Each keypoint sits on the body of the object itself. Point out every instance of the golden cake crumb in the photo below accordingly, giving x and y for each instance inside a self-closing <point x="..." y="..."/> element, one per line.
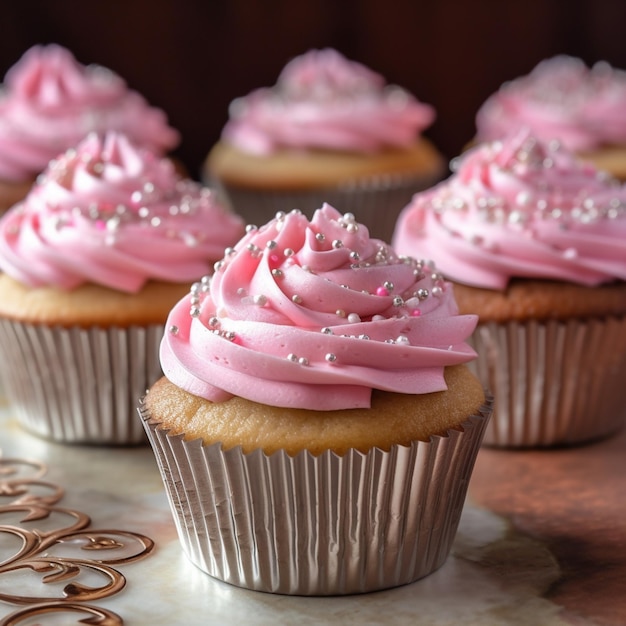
<point x="393" y="419"/>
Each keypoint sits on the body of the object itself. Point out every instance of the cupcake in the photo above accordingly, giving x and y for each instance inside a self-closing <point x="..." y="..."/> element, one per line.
<point x="93" y="259"/>
<point x="50" y="102"/>
<point x="330" y="130"/>
<point x="535" y="241"/>
<point x="316" y="426"/>
<point x="582" y="107"/>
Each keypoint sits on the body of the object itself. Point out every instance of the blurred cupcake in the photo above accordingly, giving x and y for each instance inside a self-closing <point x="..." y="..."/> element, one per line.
<point x="332" y="131"/>
<point x="563" y="99"/>
<point x="316" y="427"/>
<point x="105" y="243"/>
<point x="535" y="241"/>
<point x="50" y="102"/>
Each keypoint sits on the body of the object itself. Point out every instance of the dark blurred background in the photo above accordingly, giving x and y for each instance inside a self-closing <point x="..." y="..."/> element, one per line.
<point x="192" y="57"/>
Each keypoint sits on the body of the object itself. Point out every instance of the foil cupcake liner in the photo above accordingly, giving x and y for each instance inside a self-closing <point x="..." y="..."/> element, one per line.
<point x="375" y="202"/>
<point x="555" y="383"/>
<point x="79" y="385"/>
<point x="318" y="525"/>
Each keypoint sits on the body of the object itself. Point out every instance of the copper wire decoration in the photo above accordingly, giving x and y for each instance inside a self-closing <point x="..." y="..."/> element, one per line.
<point x="48" y="538"/>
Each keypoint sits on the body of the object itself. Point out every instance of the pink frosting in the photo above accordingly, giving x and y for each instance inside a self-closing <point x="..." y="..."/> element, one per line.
<point x="324" y="101"/>
<point x="520" y="208"/>
<point x="113" y="214"/>
<point x="315" y="315"/>
<point x="563" y="99"/>
<point x="50" y="102"/>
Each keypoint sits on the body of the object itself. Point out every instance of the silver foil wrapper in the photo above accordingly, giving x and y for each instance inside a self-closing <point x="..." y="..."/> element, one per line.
<point x="375" y="202"/>
<point x="79" y="385"/>
<point x="555" y="383"/>
<point x="318" y="525"/>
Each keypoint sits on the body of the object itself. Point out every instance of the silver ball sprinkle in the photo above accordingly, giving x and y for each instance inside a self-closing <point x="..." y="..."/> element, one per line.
<point x="331" y="358"/>
<point x="173" y="330"/>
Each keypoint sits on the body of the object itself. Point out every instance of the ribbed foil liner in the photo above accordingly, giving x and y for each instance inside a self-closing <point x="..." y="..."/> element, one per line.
<point x="555" y="383"/>
<point x="318" y="525"/>
<point x="76" y="385"/>
<point x="375" y="202"/>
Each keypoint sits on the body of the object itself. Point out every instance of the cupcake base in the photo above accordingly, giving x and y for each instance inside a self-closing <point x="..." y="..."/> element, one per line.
<point x="318" y="525"/>
<point x="375" y="203"/>
<point x="76" y="385"/>
<point x="555" y="383"/>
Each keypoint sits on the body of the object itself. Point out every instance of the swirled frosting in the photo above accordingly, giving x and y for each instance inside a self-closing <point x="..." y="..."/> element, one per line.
<point x="324" y="101"/>
<point x="50" y="102"/>
<point x="562" y="98"/>
<point x="315" y="315"/>
<point x="116" y="215"/>
<point x="520" y="208"/>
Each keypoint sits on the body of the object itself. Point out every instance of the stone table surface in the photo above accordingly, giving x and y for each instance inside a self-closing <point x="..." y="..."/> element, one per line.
<point x="542" y="541"/>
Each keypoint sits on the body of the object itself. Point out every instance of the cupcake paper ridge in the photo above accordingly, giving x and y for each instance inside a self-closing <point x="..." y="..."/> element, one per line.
<point x="112" y="214"/>
<point x="315" y="314"/>
<point x="50" y="102"/>
<point x="520" y="207"/>
<point x="324" y="101"/>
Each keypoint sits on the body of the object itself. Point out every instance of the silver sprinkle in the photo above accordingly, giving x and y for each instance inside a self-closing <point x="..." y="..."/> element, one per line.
<point x="173" y="330"/>
<point x="331" y="358"/>
<point x="296" y="299"/>
<point x="327" y="331"/>
<point x="303" y="360"/>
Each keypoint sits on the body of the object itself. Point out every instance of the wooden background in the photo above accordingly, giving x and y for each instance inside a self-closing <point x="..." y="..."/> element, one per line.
<point x="192" y="57"/>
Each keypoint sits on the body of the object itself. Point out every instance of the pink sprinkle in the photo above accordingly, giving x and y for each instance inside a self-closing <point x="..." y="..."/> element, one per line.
<point x="274" y="259"/>
<point x="382" y="291"/>
<point x="416" y="312"/>
<point x="100" y="225"/>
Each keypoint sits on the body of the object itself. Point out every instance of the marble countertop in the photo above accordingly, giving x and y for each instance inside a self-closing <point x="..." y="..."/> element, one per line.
<point x="542" y="540"/>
